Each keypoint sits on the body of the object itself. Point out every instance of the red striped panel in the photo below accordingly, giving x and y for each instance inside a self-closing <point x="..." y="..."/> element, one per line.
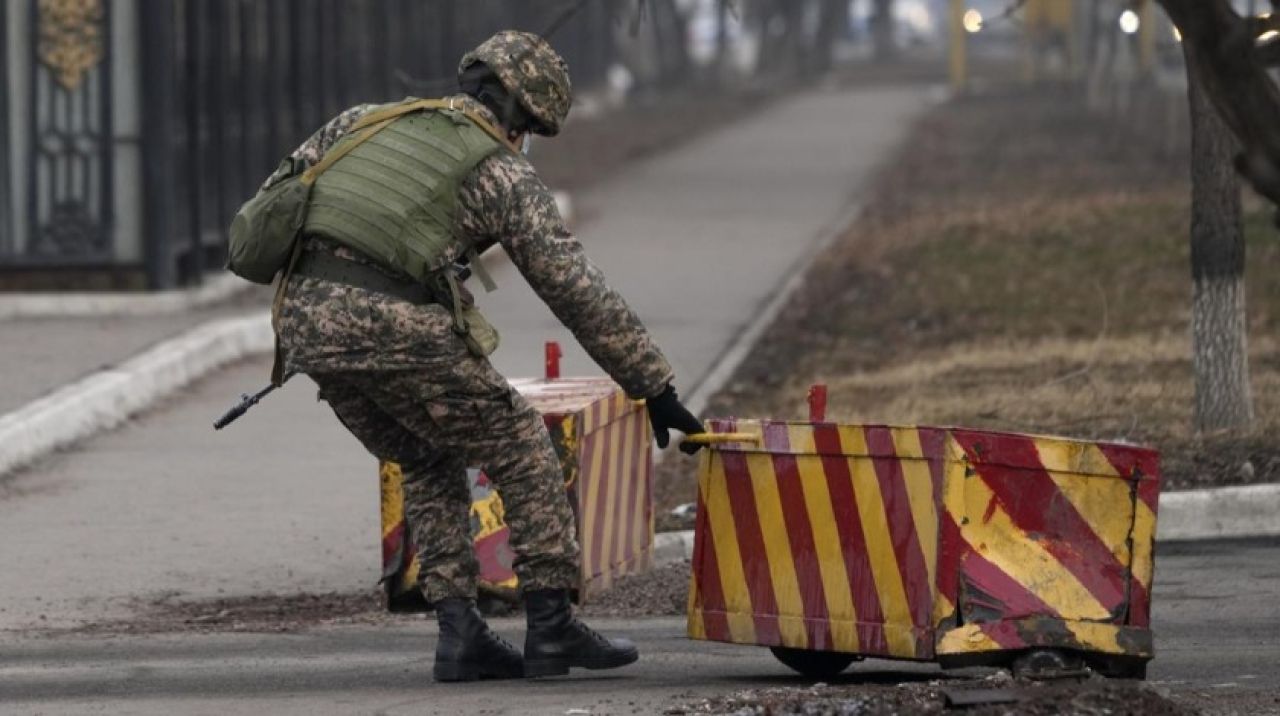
<point x="902" y="524"/>
<point x="1010" y="598"/>
<point x="755" y="561"/>
<point x="1133" y="462"/>
<point x="392" y="546"/>
<point x="1036" y="505"/>
<point x="1139" y="605"/>
<point x="853" y="543"/>
<point x="804" y="554"/>
<point x="933" y="445"/>
<point x="1149" y="493"/>
<point x="951" y="554"/>
<point x="707" y="571"/>
<point x="1004" y="634"/>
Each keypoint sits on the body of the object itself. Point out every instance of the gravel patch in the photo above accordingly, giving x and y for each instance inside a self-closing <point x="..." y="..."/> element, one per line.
<point x="993" y="696"/>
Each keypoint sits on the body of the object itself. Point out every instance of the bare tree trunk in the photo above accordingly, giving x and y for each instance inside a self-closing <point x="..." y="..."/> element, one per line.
<point x="1219" y="330"/>
<point x="882" y="29"/>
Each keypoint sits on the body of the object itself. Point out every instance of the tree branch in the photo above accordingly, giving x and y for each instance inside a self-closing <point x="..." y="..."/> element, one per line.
<point x="1227" y="65"/>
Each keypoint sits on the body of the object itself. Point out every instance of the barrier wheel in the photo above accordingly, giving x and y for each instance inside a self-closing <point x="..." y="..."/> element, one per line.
<point x="813" y="664"/>
<point x="1049" y="664"/>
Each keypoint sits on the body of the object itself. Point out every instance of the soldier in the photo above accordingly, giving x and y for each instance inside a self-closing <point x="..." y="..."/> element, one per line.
<point x="374" y="310"/>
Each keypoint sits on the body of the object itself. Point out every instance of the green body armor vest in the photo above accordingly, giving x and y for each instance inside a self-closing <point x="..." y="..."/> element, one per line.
<point x="393" y="196"/>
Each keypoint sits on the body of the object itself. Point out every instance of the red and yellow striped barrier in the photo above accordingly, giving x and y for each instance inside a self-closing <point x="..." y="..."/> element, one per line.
<point x="602" y="439"/>
<point x="922" y="543"/>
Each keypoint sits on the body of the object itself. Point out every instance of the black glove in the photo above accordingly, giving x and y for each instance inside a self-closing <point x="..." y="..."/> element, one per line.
<point x="666" y="412"/>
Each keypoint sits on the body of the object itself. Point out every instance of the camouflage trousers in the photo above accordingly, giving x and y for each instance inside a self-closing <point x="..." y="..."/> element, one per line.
<point x="435" y="431"/>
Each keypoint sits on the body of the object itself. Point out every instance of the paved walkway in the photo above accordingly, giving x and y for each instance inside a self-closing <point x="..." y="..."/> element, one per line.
<point x="284" y="500"/>
<point x="38" y="356"/>
<point x="699" y="239"/>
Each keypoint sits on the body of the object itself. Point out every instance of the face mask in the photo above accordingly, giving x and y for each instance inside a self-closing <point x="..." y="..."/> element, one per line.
<point x="526" y="143"/>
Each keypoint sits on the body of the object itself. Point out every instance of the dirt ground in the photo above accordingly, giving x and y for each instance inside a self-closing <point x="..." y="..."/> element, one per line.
<point x="660" y="592"/>
<point x="1021" y="265"/>
<point x="997" y="695"/>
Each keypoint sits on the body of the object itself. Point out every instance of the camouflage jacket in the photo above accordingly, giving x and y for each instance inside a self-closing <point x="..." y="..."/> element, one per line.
<point x="331" y="327"/>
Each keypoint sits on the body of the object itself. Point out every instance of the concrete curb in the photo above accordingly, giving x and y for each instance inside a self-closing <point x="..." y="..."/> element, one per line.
<point x="1220" y="513"/>
<point x="672" y="547"/>
<point x="107" y="398"/>
<point x="216" y="289"/>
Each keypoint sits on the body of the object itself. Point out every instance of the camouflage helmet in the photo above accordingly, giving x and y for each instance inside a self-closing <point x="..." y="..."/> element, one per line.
<point x="531" y="71"/>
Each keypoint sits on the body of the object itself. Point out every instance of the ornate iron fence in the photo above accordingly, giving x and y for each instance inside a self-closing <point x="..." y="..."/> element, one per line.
<point x="149" y="121"/>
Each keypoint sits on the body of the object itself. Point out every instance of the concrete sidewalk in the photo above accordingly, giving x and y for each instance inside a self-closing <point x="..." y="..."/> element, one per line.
<point x="40" y="355"/>
<point x="284" y="501"/>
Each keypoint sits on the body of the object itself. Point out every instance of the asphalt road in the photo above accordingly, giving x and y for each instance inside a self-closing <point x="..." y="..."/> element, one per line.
<point x="1217" y="623"/>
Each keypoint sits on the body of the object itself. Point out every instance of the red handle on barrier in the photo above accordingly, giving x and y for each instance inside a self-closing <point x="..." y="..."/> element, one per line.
<point x="817" y="403"/>
<point x="553" y="355"/>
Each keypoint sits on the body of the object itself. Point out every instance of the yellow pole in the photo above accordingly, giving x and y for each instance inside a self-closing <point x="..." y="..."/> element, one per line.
<point x="1147" y="36"/>
<point x="958" y="60"/>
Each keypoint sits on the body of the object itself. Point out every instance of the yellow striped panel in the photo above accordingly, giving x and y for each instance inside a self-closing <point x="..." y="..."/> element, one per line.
<point x="586" y="508"/>
<point x="724" y="534"/>
<point x="953" y="480"/>
<point x="1097" y="637"/>
<point x="1006" y="546"/>
<point x="488" y="511"/>
<point x="777" y="547"/>
<point x="392" y="493"/>
<point x="919" y="481"/>
<point x="875" y="529"/>
<point x="696" y="627"/>
<point x="1106" y="503"/>
<point x="966" y="639"/>
<point x="826" y="540"/>
<point x="410" y="579"/>
<point x="642" y="514"/>
<point x="1057" y="455"/>
<point x="622" y="485"/>
<point x="1144" y="529"/>
<point x="609" y="483"/>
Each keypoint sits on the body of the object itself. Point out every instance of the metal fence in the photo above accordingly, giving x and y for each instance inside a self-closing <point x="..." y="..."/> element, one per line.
<point x="149" y="121"/>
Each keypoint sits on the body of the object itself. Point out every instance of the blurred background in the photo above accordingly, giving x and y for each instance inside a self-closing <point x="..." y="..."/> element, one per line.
<point x="131" y="130"/>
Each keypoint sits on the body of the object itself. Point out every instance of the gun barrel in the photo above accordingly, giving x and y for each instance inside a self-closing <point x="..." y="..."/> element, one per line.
<point x="246" y="401"/>
<point x="231" y="415"/>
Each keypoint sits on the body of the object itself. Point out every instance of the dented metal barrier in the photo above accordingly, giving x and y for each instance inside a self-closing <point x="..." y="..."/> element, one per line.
<point x="960" y="546"/>
<point x="603" y="441"/>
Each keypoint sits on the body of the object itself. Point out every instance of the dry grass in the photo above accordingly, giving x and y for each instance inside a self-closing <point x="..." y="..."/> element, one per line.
<point x="1022" y="266"/>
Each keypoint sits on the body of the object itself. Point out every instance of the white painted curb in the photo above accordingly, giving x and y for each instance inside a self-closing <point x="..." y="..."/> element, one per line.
<point x="1224" y="512"/>
<point x="215" y="289"/>
<point x="1221" y="513"/>
<point x="107" y="398"/>
<point x="672" y="547"/>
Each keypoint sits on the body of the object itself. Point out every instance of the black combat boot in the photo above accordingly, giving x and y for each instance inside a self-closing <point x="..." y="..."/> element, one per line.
<point x="556" y="640"/>
<point x="468" y="649"/>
